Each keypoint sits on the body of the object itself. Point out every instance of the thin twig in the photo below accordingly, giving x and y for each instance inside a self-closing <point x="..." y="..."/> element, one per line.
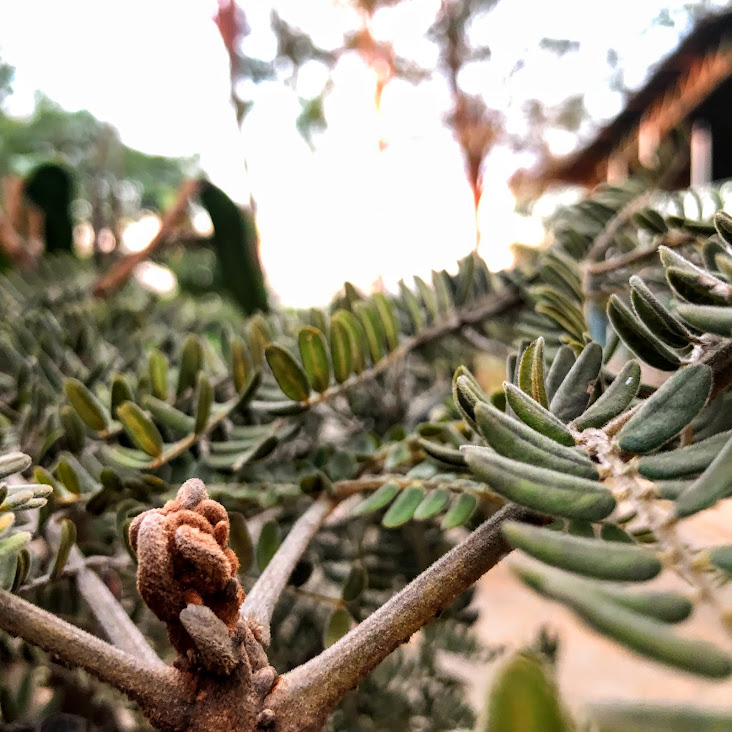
<point x="605" y="238"/>
<point x="312" y="690"/>
<point x="346" y="488"/>
<point x="111" y="616"/>
<point x="490" y="346"/>
<point x="98" y="561"/>
<point x="671" y="240"/>
<point x="260" y="603"/>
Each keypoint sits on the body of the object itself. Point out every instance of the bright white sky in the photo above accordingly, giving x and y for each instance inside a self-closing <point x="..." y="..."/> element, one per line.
<point x="157" y="70"/>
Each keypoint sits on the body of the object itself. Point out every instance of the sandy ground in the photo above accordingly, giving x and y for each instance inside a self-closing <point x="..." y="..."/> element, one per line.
<point x="590" y="667"/>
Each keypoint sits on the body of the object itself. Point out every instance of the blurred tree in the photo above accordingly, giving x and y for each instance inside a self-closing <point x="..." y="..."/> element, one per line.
<point x="113" y="179"/>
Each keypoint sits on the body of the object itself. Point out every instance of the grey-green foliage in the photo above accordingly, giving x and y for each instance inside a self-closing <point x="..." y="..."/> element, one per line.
<point x="632" y="432"/>
<point x="117" y="403"/>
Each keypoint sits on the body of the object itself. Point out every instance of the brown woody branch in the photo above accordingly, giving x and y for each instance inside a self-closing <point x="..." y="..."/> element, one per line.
<point x="306" y="695"/>
<point x="111" y="616"/>
<point x="158" y="690"/>
<point x="121" y="271"/>
<point x="260" y="603"/>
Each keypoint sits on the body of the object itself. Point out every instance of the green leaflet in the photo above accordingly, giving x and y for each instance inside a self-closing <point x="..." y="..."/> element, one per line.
<point x="460" y="511"/>
<point x="158" y="372"/>
<point x="525" y="698"/>
<point x="301" y="574"/>
<point x="432" y="504"/>
<point x="712" y="485"/>
<point x="340" y="350"/>
<point x="559" y="303"/>
<point x="645" y="717"/>
<point x="700" y="289"/>
<point x="23" y="569"/>
<point x="86" y="404"/>
<point x="573" y="394"/>
<point x="66" y="543"/>
<point x="683" y="461"/>
<point x="650" y="220"/>
<point x="242" y="367"/>
<point x="670" y="490"/>
<point x="610" y="532"/>
<point x="514" y="439"/>
<point x="466" y="278"/>
<point x="68" y="476"/>
<point x="314" y="354"/>
<point x="388" y="320"/>
<point x="235" y="461"/>
<point x="191" y="361"/>
<point x="581" y="528"/>
<point x="692" y="283"/>
<point x="241" y="541"/>
<point x="356" y="337"/>
<point x="614" y="400"/>
<point x="14" y="543"/>
<point x="531" y="372"/>
<point x="204" y="400"/>
<point x="428" y="298"/>
<point x="588" y="557"/>
<point x="443" y="292"/>
<point x="536" y="416"/>
<point x="268" y="544"/>
<point x="723" y="225"/>
<point x="562" y="271"/>
<point x="668" y="411"/>
<point x="711" y="249"/>
<point x="338" y="625"/>
<point x="562" y="318"/>
<point x="356" y="582"/>
<point x="413" y="306"/>
<point x="404" y="507"/>
<point x="644" y="635"/>
<point x="721" y="557"/>
<point x="377" y="500"/>
<point x="541" y="475"/>
<point x="140" y="429"/>
<point x="655" y="316"/>
<point x="708" y="318"/>
<point x="466" y="393"/>
<point x="6" y="522"/>
<point x="443" y="453"/>
<point x="121" y="392"/>
<point x="14" y="462"/>
<point x="168" y="415"/>
<point x="666" y="607"/>
<point x="560" y="499"/>
<point x="373" y="329"/>
<point x="639" y="339"/>
<point x="562" y="363"/>
<point x="287" y="372"/>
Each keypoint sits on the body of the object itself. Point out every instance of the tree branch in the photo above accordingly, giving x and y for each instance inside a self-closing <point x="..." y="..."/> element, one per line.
<point x="260" y="603"/>
<point x="306" y="695"/>
<point x="120" y="272"/>
<point x="110" y="615"/>
<point x="153" y="688"/>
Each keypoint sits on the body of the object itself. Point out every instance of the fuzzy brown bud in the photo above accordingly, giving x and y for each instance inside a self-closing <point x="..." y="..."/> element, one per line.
<point x="184" y="558"/>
